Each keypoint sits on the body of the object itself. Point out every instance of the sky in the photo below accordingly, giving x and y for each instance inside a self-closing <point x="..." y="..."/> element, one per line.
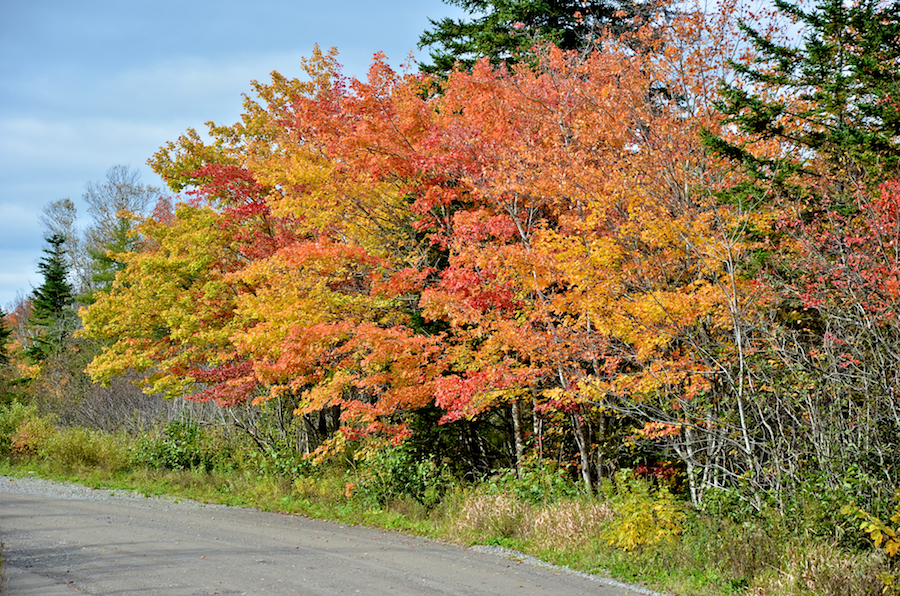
<point x="88" y="85"/>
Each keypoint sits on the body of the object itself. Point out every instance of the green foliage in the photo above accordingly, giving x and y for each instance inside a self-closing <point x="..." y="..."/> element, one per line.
<point x="12" y="415"/>
<point x="182" y="446"/>
<point x="51" y="313"/>
<point x="645" y="517"/>
<point x="280" y="460"/>
<point x="504" y="30"/>
<point x="537" y="482"/>
<point x="396" y="473"/>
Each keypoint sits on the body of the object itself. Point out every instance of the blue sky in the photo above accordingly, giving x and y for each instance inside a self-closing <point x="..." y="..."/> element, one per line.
<point x="90" y="84"/>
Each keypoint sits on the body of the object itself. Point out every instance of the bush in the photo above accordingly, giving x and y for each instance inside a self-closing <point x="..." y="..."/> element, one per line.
<point x="395" y="473"/>
<point x="280" y="460"/>
<point x="537" y="482"/>
<point x="32" y="435"/>
<point x="82" y="447"/>
<point x="643" y="517"/>
<point x="182" y="446"/>
<point x="12" y="415"/>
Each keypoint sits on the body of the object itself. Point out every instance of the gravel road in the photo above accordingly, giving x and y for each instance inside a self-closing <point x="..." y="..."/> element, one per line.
<point x="65" y="539"/>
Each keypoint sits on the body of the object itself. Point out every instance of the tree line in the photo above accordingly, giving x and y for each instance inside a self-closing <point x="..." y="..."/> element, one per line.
<point x="598" y="235"/>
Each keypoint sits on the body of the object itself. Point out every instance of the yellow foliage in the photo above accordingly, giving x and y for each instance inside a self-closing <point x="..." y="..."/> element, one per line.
<point x="883" y="535"/>
<point x="644" y="518"/>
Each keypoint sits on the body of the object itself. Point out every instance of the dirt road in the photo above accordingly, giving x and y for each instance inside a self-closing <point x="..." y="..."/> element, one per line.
<point x="65" y="539"/>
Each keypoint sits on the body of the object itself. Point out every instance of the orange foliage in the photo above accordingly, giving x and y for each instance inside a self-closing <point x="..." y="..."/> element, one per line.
<point x="549" y="221"/>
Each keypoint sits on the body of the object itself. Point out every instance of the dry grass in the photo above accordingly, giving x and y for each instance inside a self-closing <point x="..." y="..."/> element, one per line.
<point x="563" y="525"/>
<point x="491" y="516"/>
<point x="823" y="569"/>
<point x="569" y="524"/>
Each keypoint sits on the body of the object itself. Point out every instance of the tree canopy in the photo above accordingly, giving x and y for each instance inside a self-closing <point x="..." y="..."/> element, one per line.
<point x="504" y="30"/>
<point x="547" y="259"/>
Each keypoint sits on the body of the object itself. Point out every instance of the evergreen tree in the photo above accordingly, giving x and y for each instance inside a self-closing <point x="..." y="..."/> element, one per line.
<point x="505" y="29"/>
<point x="832" y="100"/>
<point x="52" y="318"/>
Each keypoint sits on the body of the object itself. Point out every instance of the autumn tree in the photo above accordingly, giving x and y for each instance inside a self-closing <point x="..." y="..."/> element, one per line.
<point x="5" y="368"/>
<point x="5" y="333"/>
<point x="540" y="254"/>
<point x="364" y="250"/>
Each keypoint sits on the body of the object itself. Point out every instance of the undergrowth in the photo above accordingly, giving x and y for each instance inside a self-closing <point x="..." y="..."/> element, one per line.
<point x="632" y="530"/>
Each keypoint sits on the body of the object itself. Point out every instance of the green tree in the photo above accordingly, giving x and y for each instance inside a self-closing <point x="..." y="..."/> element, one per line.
<point x="52" y="317"/>
<point x="830" y="102"/>
<point x="505" y="29"/>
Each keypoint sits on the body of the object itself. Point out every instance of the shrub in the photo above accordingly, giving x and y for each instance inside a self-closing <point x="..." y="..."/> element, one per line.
<point x="12" y="415"/>
<point x="537" y="482"/>
<point x="280" y="460"/>
<point x="395" y="473"/>
<point x="644" y="517"/>
<point x="79" y="446"/>
<point x="182" y="446"/>
<point x="32" y="435"/>
<point x="884" y="535"/>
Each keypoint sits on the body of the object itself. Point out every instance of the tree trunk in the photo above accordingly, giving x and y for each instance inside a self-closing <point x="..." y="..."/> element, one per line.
<point x="518" y="436"/>
<point x="582" y="438"/>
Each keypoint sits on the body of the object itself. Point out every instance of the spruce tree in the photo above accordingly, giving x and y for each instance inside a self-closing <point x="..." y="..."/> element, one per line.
<point x="833" y="99"/>
<point x="503" y="30"/>
<point x="52" y="318"/>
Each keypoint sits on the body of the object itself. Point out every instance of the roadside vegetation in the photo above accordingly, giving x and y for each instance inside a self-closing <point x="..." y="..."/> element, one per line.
<point x="636" y="529"/>
<point x="613" y="284"/>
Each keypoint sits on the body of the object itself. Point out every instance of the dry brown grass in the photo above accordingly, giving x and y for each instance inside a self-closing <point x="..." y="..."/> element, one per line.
<point x="566" y="524"/>
<point x="492" y="516"/>
<point x="823" y="569"/>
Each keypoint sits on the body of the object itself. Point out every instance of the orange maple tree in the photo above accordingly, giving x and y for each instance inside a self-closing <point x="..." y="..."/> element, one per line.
<point x="540" y="239"/>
